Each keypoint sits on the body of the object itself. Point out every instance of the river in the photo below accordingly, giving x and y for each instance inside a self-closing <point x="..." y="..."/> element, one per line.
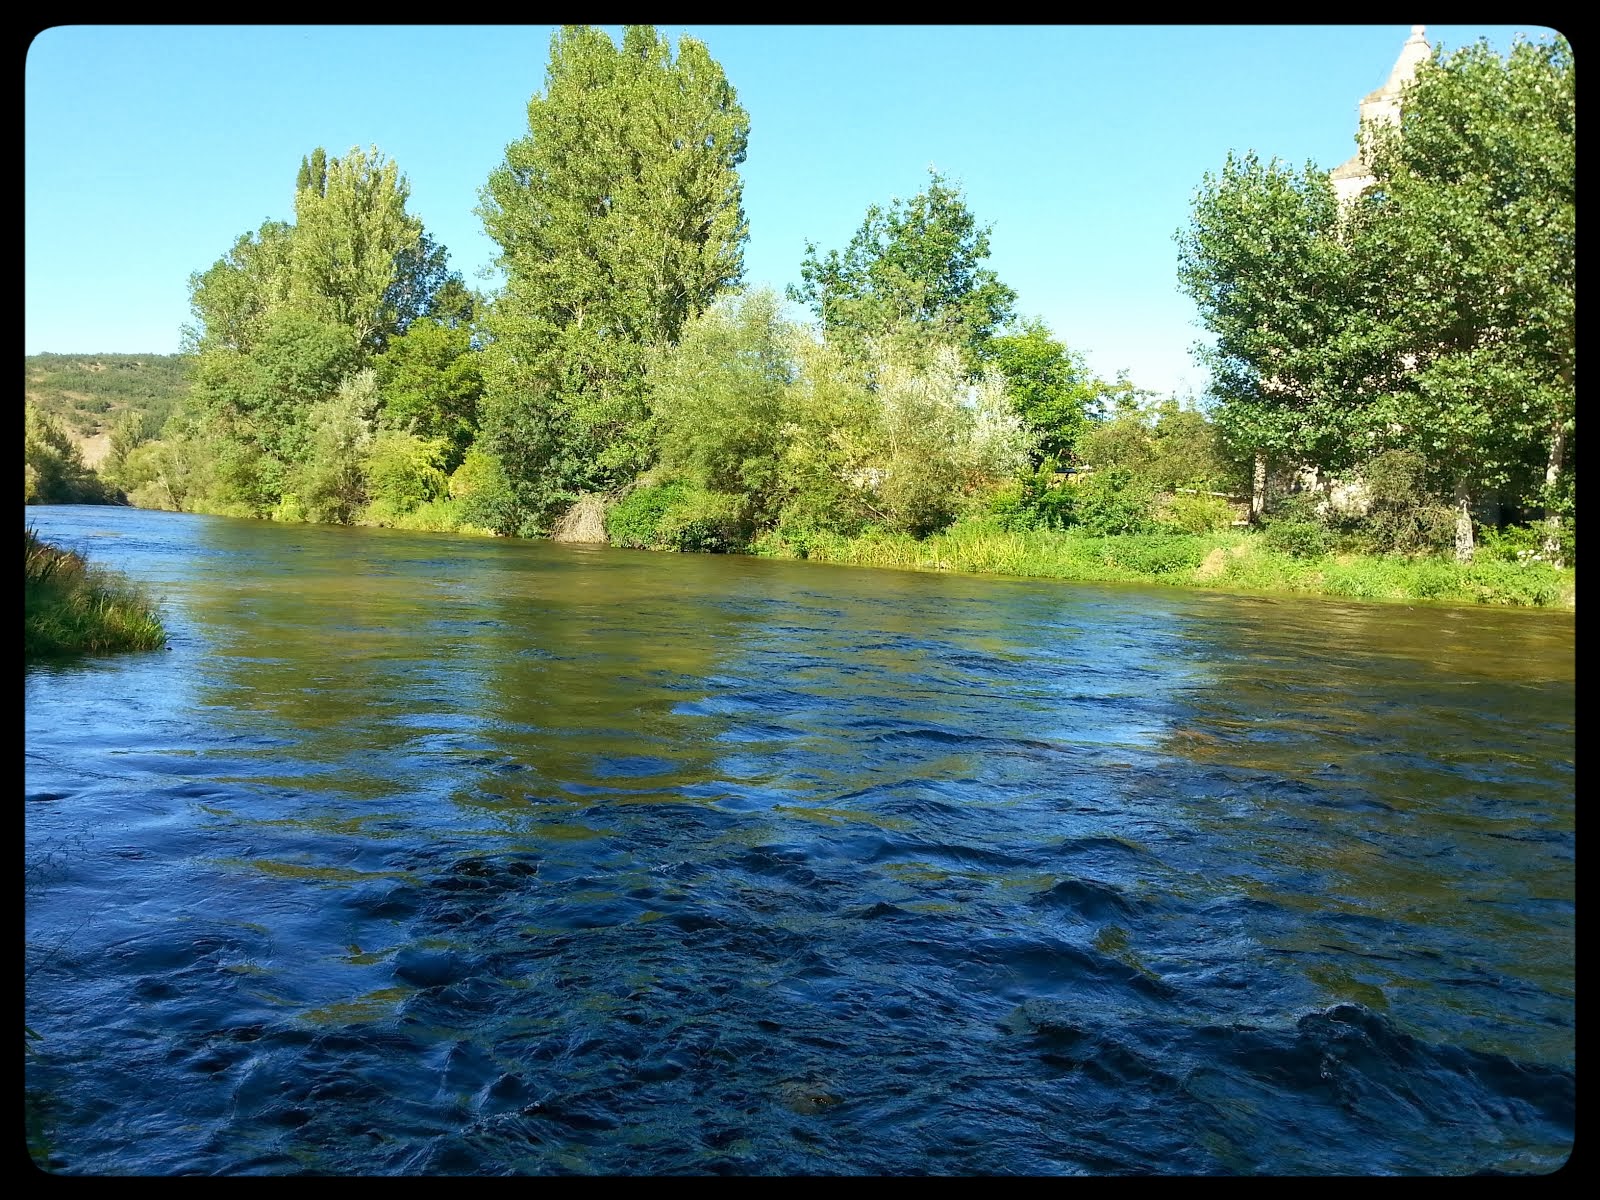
<point x="423" y="855"/>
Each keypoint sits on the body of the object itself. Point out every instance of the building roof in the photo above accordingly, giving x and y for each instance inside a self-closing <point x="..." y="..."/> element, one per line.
<point x="1382" y="105"/>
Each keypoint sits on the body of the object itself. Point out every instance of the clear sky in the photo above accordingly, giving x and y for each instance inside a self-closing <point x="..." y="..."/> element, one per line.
<point x="150" y="148"/>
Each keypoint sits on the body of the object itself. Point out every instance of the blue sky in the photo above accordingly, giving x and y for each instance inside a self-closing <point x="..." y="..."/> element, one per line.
<point x="150" y="148"/>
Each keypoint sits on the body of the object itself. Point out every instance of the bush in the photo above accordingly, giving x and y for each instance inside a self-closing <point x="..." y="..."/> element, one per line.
<point x="1404" y="517"/>
<point x="1197" y="513"/>
<point x="1298" y="539"/>
<point x="485" y="496"/>
<point x="1033" y="500"/>
<point x="633" y="521"/>
<point x="1524" y="544"/>
<point x="704" y="522"/>
<point x="1114" y="501"/>
<point x="405" y="471"/>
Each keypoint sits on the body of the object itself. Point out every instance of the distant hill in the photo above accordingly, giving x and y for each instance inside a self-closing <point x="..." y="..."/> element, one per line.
<point x="90" y="391"/>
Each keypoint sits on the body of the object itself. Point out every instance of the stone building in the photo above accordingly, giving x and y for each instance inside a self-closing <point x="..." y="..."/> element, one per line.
<point x="1380" y="107"/>
<point x="1350" y="178"/>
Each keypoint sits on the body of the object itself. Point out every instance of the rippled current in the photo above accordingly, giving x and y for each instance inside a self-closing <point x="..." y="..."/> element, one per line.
<point x="422" y="855"/>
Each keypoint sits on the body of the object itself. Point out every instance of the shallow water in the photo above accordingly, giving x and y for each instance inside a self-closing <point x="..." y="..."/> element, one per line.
<point x="422" y="855"/>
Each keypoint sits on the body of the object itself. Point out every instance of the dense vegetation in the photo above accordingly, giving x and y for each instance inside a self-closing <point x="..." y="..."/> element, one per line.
<point x="1394" y="378"/>
<point x="1432" y="317"/>
<point x="89" y="393"/>
<point x="71" y="398"/>
<point x="70" y="607"/>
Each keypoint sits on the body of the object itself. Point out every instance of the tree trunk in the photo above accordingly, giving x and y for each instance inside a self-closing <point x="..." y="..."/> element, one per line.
<point x="1463" y="521"/>
<point x="1552" y="476"/>
<point x="1258" y="491"/>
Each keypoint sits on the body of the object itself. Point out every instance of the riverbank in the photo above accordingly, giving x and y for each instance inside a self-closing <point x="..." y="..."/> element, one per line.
<point x="1230" y="560"/>
<point x="70" y="607"/>
<point x="1238" y="561"/>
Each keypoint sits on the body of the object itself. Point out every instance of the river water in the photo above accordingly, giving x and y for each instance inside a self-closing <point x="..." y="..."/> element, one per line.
<point x="423" y="855"/>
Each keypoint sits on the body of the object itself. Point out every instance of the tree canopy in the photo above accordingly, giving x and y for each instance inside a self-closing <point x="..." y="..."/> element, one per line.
<point x="916" y="265"/>
<point x="1434" y="314"/>
<point x="619" y="218"/>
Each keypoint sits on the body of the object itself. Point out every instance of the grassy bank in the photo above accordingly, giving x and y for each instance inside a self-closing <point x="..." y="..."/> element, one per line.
<point x="70" y="607"/>
<point x="1233" y="561"/>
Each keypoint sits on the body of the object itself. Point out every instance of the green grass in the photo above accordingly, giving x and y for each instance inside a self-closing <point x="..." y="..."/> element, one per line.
<point x="432" y="516"/>
<point x="1230" y="560"/>
<point x="71" y="608"/>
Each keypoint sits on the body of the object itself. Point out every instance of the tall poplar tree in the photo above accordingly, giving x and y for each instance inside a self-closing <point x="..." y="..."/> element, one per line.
<point x="619" y="218"/>
<point x="349" y="234"/>
<point x="1473" y="229"/>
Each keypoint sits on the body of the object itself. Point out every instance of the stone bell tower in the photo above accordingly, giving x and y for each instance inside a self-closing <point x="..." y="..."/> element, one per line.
<point x="1381" y="107"/>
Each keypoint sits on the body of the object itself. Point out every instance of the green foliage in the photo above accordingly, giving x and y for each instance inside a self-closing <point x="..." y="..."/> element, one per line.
<point x="914" y="270"/>
<point x="1472" y="226"/>
<point x="430" y="383"/>
<point x="1403" y="517"/>
<point x="71" y="608"/>
<point x="1197" y="513"/>
<point x="1242" y="562"/>
<point x="53" y="470"/>
<point x="1164" y="443"/>
<point x="723" y="398"/>
<point x="1531" y="584"/>
<point x="234" y="296"/>
<point x="404" y="471"/>
<point x="1296" y="358"/>
<point x="619" y="218"/>
<point x="934" y="438"/>
<point x="251" y="412"/>
<point x="528" y="432"/>
<point x="1155" y="554"/>
<point x="1114" y="501"/>
<point x="704" y="522"/>
<point x="1050" y="388"/>
<point x="329" y="481"/>
<point x="1298" y="539"/>
<point x="634" y="521"/>
<point x="1435" y="314"/>
<point x="351" y="235"/>
<point x="483" y="492"/>
<point x="1033" y="500"/>
<point x="424" y="288"/>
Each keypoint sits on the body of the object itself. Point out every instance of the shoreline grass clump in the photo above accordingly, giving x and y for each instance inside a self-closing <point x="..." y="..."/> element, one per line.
<point x="1232" y="560"/>
<point x="72" y="608"/>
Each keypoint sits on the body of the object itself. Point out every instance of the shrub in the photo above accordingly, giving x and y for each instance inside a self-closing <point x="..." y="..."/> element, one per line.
<point x="485" y="495"/>
<point x="1033" y="500"/>
<point x="633" y="521"/>
<point x="1404" y="516"/>
<point x="405" y="471"/>
<point x="1524" y="544"/>
<point x="704" y="522"/>
<point x="1114" y="501"/>
<point x="1298" y="539"/>
<point x="1197" y="513"/>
